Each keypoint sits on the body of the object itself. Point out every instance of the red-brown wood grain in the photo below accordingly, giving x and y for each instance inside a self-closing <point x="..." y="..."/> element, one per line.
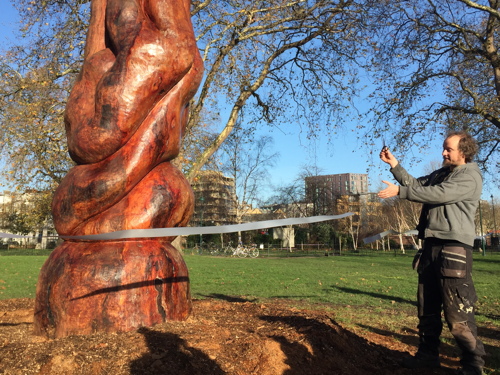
<point x="88" y="287"/>
<point x="125" y="118"/>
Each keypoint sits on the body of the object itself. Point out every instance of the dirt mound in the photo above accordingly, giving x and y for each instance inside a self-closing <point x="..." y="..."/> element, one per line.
<point x="229" y="336"/>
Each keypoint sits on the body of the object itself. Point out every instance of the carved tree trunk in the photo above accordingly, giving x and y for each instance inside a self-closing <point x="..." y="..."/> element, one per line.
<point x="124" y="120"/>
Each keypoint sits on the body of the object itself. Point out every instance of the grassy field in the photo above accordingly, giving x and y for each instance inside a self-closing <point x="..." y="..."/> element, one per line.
<point x="19" y="275"/>
<point x="365" y="293"/>
<point x="347" y="283"/>
<point x="369" y="281"/>
<point x="338" y="280"/>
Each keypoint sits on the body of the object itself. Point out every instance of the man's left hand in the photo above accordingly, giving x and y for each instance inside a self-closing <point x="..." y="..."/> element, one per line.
<point x="390" y="191"/>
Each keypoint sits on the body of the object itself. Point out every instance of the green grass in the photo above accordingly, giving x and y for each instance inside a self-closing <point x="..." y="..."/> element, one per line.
<point x="41" y="252"/>
<point x="19" y="275"/>
<point x="369" y="281"/>
<point x="347" y="284"/>
<point x="364" y="293"/>
<point x="338" y="280"/>
<point x="373" y="293"/>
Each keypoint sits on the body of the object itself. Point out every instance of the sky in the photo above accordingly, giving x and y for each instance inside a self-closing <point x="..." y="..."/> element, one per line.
<point x="8" y="22"/>
<point x="345" y="154"/>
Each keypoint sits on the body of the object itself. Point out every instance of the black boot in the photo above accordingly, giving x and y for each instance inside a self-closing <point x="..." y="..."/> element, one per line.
<point x="421" y="360"/>
<point x="469" y="370"/>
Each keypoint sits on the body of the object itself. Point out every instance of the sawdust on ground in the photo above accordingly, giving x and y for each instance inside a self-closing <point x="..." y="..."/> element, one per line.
<point x="222" y="336"/>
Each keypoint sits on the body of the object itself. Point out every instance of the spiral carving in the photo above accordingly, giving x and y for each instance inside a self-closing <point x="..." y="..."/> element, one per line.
<point x="124" y="119"/>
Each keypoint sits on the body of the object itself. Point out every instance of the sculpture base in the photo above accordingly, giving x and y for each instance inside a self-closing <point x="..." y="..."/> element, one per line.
<point x="110" y="286"/>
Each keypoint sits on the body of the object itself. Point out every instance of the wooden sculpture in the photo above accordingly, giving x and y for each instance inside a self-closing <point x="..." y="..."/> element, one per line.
<point x="124" y="120"/>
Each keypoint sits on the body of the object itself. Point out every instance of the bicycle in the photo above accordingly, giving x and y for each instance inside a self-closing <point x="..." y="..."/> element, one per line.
<point x="253" y="251"/>
<point x="243" y="251"/>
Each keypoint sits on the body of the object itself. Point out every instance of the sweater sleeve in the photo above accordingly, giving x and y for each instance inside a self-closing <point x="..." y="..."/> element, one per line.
<point x="459" y="187"/>
<point x="406" y="179"/>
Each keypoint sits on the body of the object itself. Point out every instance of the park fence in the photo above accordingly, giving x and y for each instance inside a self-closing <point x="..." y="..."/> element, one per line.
<point x="312" y="250"/>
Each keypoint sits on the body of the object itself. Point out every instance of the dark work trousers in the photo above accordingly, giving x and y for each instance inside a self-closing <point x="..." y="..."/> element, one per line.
<point x="445" y="284"/>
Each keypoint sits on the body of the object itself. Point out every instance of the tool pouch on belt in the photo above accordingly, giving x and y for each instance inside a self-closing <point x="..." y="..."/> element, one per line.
<point x="416" y="259"/>
<point x="454" y="262"/>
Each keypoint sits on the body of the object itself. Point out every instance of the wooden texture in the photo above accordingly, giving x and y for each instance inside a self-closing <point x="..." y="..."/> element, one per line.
<point x="124" y="121"/>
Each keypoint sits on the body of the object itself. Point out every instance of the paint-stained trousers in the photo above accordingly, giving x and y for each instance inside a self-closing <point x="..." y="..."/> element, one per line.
<point x="445" y="284"/>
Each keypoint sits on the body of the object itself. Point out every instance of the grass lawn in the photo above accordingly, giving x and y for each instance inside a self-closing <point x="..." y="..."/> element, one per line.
<point x="354" y="287"/>
<point x="354" y="280"/>
<point x="374" y="282"/>
<point x="364" y="293"/>
<point x="19" y="275"/>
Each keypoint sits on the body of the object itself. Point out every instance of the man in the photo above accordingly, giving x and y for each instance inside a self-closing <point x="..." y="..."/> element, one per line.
<point x="450" y="196"/>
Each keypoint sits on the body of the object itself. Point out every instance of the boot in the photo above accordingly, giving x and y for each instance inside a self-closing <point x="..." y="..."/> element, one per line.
<point x="469" y="370"/>
<point x="421" y="360"/>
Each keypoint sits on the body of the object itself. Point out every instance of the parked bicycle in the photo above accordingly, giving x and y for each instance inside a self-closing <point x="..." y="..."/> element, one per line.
<point x="207" y="248"/>
<point x="243" y="251"/>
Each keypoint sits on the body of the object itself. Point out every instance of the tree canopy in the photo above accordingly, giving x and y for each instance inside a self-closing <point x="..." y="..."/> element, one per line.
<point x="270" y="60"/>
<point x="36" y="78"/>
<point x="436" y="67"/>
<point x="247" y="162"/>
<point x="276" y="62"/>
<point x="433" y="65"/>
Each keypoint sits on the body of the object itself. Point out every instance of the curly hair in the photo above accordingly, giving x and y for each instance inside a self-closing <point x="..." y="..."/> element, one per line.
<point x="467" y="144"/>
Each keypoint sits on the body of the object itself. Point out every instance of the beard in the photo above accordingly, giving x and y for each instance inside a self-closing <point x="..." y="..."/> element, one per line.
<point x="448" y="163"/>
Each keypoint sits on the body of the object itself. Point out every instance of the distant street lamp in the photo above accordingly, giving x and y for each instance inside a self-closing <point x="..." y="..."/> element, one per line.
<point x="483" y="245"/>
<point x="494" y="222"/>
<point x="202" y="208"/>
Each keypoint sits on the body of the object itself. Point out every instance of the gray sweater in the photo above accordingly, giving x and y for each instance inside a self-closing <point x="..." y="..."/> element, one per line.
<point x="450" y="199"/>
